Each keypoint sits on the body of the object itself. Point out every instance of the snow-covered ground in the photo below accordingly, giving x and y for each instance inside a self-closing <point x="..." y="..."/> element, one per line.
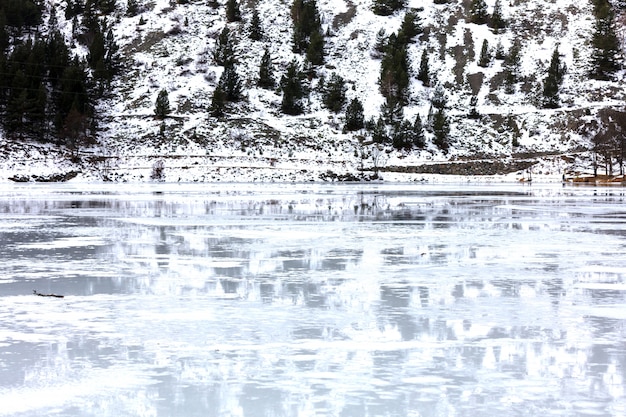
<point x="256" y="142"/>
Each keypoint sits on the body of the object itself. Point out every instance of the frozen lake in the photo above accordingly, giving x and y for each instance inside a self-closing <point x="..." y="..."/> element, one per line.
<point x="303" y="300"/>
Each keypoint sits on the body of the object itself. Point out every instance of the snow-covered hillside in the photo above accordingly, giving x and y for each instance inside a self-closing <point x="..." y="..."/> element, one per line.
<point x="172" y="49"/>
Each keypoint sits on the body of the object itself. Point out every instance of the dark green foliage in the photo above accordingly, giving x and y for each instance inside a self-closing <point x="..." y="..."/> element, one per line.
<point x="439" y="99"/>
<point x="606" y="48"/>
<point x="392" y="113"/>
<point x="387" y="7"/>
<point x="230" y="83"/>
<point x="394" y="73"/>
<point x="381" y="43"/>
<point x="478" y="12"/>
<point x="441" y="130"/>
<point x="410" y="27"/>
<point x="218" y="103"/>
<point x="294" y="89"/>
<point x="473" y="112"/>
<point x="233" y="14"/>
<point x="499" y="52"/>
<point x="224" y="52"/>
<point x="21" y="14"/>
<point x="418" y="133"/>
<point x="315" y="50"/>
<point x="132" y="8"/>
<point x="306" y="21"/>
<point x="485" y="56"/>
<point x="266" y="75"/>
<point x="407" y="135"/>
<point x="355" y="118"/>
<point x="379" y="131"/>
<point x="497" y="22"/>
<point x="553" y="80"/>
<point x="424" y="72"/>
<point x="334" y="93"/>
<point x="512" y="67"/>
<point x="162" y="105"/>
<point x="255" y="32"/>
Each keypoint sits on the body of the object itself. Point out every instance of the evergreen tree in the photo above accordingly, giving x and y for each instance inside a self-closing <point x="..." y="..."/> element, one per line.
<point x="315" y="50"/>
<point x="224" y="50"/>
<point x="266" y="76"/>
<point x="255" y="31"/>
<point x="553" y="80"/>
<point x="162" y="105"/>
<point x="473" y="113"/>
<point x="410" y="27"/>
<point x="497" y="22"/>
<point x="424" y="72"/>
<point x="499" y="52"/>
<point x="379" y="131"/>
<point x="604" y="58"/>
<point x="132" y="8"/>
<point x="381" y="43"/>
<point x="218" y="102"/>
<point x="485" y="57"/>
<point x="230" y="83"/>
<point x="478" y="12"/>
<point x="417" y="136"/>
<point x="355" y="119"/>
<point x="233" y="14"/>
<point x="387" y="7"/>
<point x="439" y="98"/>
<point x="402" y="135"/>
<point x="441" y="130"/>
<point x="293" y="88"/>
<point x="394" y="74"/>
<point x="306" y="21"/>
<point x="334" y="93"/>
<point x="511" y="67"/>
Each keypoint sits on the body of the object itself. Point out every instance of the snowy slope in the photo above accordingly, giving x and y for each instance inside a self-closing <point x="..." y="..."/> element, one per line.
<point x="173" y="51"/>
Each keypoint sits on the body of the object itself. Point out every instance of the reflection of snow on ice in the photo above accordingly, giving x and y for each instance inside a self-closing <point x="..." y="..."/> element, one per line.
<point x="457" y="299"/>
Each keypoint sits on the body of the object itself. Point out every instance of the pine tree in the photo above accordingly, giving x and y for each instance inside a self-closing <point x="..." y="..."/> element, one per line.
<point x="387" y="7"/>
<point x="381" y="43"/>
<point x="266" y="76"/>
<point x="306" y="21"/>
<point x="553" y="80"/>
<point x="394" y="73"/>
<point x="473" y="112"/>
<point x="402" y="135"/>
<point x="497" y="22"/>
<point x="511" y="67"/>
<point x="485" y="57"/>
<point x="255" y="32"/>
<point x="162" y="105"/>
<point x="293" y="88"/>
<point x="355" y="119"/>
<point x="606" y="48"/>
<point x="410" y="27"/>
<point x="224" y="50"/>
<point x="315" y="50"/>
<point x="230" y="83"/>
<point x="424" y="72"/>
<point x="334" y="93"/>
<point x="478" y="12"/>
<point x="218" y="102"/>
<point x="379" y="131"/>
<point x="132" y="8"/>
<point x="233" y="14"/>
<point x="441" y="130"/>
<point x="439" y="98"/>
<point x="417" y="136"/>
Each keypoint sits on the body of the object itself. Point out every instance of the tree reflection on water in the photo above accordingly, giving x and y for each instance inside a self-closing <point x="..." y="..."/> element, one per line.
<point x="339" y="301"/>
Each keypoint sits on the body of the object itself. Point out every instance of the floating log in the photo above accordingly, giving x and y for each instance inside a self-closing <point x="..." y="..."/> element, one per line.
<point x="47" y="295"/>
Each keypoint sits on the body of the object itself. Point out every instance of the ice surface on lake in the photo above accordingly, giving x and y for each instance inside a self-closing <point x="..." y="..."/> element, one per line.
<point x="310" y="299"/>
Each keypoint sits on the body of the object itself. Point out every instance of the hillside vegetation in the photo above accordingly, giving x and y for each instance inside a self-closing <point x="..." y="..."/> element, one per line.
<point x="308" y="89"/>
